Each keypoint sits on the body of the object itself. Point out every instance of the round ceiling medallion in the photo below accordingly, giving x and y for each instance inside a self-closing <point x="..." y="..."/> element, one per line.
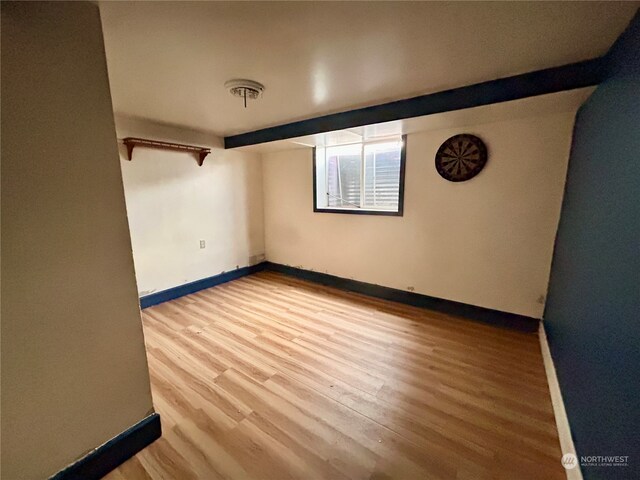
<point x="461" y="157"/>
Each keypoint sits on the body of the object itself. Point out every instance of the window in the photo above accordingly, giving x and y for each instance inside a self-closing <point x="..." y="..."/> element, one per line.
<point x="362" y="178"/>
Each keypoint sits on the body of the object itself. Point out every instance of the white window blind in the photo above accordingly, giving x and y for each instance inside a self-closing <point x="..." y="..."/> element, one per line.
<point x="364" y="177"/>
<point x="381" y="175"/>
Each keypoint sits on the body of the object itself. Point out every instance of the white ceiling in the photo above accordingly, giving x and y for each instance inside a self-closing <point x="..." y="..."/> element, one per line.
<point x="168" y="61"/>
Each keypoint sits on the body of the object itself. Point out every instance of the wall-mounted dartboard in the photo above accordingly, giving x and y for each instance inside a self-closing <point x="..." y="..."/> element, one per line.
<point x="461" y="157"/>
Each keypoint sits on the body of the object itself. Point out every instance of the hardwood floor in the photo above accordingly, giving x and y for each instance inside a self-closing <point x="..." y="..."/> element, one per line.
<point x="270" y="377"/>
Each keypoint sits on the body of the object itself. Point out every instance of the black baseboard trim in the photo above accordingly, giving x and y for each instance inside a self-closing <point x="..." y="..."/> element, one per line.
<point x="472" y="312"/>
<point x="192" y="287"/>
<point x="115" y="452"/>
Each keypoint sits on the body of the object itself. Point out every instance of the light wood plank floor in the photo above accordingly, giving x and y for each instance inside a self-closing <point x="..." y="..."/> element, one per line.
<point x="270" y="377"/>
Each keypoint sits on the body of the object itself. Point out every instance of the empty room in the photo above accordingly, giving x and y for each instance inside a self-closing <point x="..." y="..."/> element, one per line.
<point x="320" y="240"/>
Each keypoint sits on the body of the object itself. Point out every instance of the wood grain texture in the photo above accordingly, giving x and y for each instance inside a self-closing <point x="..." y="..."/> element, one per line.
<point x="271" y="377"/>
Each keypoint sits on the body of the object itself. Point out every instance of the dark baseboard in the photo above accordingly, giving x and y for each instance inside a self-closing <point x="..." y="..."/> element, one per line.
<point x="115" y="452"/>
<point x="487" y="315"/>
<point x="494" y="317"/>
<point x="192" y="287"/>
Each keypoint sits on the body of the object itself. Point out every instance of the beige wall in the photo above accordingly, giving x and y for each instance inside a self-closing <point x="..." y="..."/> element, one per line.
<point x="485" y="242"/>
<point x="173" y="203"/>
<point x="74" y="368"/>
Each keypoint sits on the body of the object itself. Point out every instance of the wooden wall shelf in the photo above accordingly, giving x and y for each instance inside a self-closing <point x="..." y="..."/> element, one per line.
<point x="131" y="142"/>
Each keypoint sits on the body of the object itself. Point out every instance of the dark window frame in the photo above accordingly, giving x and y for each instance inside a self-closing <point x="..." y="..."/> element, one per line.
<point x="399" y="213"/>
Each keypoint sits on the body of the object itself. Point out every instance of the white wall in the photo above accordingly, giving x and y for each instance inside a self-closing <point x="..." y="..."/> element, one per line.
<point x="74" y="371"/>
<point x="485" y="242"/>
<point x="173" y="203"/>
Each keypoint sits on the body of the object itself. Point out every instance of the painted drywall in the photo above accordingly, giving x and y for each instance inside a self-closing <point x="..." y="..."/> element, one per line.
<point x="486" y="242"/>
<point x="74" y="371"/>
<point x="173" y="204"/>
<point x="593" y="313"/>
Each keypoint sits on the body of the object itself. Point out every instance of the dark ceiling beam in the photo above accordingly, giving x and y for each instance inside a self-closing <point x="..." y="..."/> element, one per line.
<point x="539" y="82"/>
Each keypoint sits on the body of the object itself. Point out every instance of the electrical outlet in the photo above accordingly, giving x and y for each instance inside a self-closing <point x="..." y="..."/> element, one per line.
<point x="202" y="244"/>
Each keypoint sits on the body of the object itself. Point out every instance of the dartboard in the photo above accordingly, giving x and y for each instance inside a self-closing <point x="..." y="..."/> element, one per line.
<point x="461" y="157"/>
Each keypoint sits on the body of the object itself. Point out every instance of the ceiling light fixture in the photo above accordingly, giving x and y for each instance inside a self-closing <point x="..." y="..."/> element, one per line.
<point x="244" y="89"/>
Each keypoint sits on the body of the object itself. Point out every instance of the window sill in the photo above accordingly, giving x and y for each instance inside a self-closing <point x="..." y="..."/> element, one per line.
<point x="359" y="212"/>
